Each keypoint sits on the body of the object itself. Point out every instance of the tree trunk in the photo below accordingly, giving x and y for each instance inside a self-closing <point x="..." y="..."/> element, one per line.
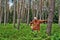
<point x="29" y="7"/>
<point x="18" y="13"/>
<point x="14" y="13"/>
<point x="33" y="10"/>
<point x="0" y="11"/>
<point x="28" y="15"/>
<point x="50" y="16"/>
<point x="40" y="14"/>
<point x="5" y="13"/>
<point x="37" y="8"/>
<point x="59" y="16"/>
<point x="22" y="11"/>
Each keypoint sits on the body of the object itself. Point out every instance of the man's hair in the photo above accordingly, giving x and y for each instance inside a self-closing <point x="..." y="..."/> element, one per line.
<point x="35" y="17"/>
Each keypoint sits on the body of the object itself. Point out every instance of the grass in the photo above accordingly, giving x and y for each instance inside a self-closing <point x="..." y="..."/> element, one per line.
<point x="8" y="32"/>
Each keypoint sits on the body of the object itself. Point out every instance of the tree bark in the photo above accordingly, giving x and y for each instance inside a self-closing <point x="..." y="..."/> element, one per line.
<point x="23" y="11"/>
<point x="59" y="16"/>
<point x="50" y="16"/>
<point x="33" y="10"/>
<point x="28" y="15"/>
<point x="40" y="14"/>
<point x="5" y="13"/>
<point x="0" y="11"/>
<point x="14" y="14"/>
<point x="37" y="8"/>
<point x="29" y="7"/>
<point x="18" y="13"/>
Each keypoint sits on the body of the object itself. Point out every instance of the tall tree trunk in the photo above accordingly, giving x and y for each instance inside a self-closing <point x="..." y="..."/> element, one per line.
<point x="22" y="11"/>
<point x="29" y="7"/>
<point x="5" y="13"/>
<point x="37" y="8"/>
<point x="59" y="15"/>
<point x="50" y="16"/>
<point x="33" y="10"/>
<point x="14" y="14"/>
<point x="28" y="15"/>
<point x="18" y="13"/>
<point x="0" y="11"/>
<point x="37" y="13"/>
<point x="7" y="10"/>
<point x="45" y="10"/>
<point x="40" y="14"/>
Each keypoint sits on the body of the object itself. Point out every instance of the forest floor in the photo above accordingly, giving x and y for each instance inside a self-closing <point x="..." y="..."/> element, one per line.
<point x="8" y="32"/>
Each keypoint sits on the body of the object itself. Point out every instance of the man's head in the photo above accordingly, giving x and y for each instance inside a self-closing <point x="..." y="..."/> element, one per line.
<point x="35" y="18"/>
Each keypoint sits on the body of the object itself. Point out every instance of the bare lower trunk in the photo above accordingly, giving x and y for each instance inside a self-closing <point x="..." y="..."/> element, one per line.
<point x="5" y="16"/>
<point x="59" y="16"/>
<point x="18" y="13"/>
<point x="18" y="21"/>
<point x="14" y="14"/>
<point x="22" y="11"/>
<point x="40" y="14"/>
<point x="29" y="7"/>
<point x="33" y="10"/>
<point x="28" y="16"/>
<point x="0" y="17"/>
<point x="5" y="13"/>
<point x="0" y="11"/>
<point x="37" y="14"/>
<point x="50" y="16"/>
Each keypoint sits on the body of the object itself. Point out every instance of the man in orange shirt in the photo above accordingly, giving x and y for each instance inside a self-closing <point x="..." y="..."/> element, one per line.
<point x="35" y="24"/>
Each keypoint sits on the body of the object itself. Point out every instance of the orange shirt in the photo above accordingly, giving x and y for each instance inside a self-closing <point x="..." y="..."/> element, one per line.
<point x="35" y="24"/>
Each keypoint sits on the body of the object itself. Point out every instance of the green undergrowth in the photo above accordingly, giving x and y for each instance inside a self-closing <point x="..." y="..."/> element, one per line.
<point x="8" y="32"/>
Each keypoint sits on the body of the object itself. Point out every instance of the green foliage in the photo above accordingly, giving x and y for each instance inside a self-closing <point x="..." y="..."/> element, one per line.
<point x="8" y="32"/>
<point x="56" y="15"/>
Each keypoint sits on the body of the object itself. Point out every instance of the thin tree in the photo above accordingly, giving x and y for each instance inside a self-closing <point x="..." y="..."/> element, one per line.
<point x="40" y="14"/>
<point x="22" y="11"/>
<point x="59" y="11"/>
<point x="46" y="6"/>
<point x="33" y="9"/>
<point x="29" y="7"/>
<point x="18" y="13"/>
<point x="14" y="14"/>
<point x="59" y="15"/>
<point x="37" y="8"/>
<point x="5" y="12"/>
<point x="50" y="16"/>
<point x="7" y="5"/>
<point x="0" y="11"/>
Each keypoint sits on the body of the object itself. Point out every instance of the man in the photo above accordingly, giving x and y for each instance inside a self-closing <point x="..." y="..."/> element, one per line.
<point x="35" y="24"/>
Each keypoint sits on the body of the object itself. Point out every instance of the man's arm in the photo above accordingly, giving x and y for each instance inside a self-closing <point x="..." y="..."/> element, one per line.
<point x="43" y="21"/>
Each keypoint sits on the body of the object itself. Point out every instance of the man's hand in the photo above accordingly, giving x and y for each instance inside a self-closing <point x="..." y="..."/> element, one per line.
<point x="31" y="25"/>
<point x="43" y="21"/>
